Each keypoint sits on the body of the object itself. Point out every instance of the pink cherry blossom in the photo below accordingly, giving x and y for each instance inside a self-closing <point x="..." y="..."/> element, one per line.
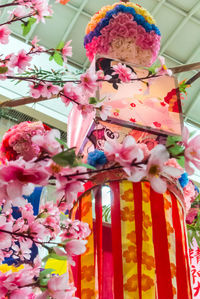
<point x="36" y="90"/>
<point x="102" y="77"/>
<point x="17" y="179"/>
<point x="124" y="153"/>
<point x="50" y="208"/>
<point x="22" y="293"/>
<point x="173" y="163"/>
<point x="71" y="93"/>
<point x="5" y="239"/>
<point x="23" y="172"/>
<point x="49" y="89"/>
<point x="192" y="151"/>
<point x="191" y="215"/>
<point x="75" y="230"/>
<point x="69" y="189"/>
<point x="38" y="231"/>
<point x="75" y="247"/>
<point x="89" y="82"/>
<point x="21" y="61"/>
<point x="23" y="251"/>
<point x="189" y="195"/>
<point x="125" y="73"/>
<point x="156" y="168"/>
<point x="163" y="70"/>
<point x="48" y="142"/>
<point x="18" y="12"/>
<point x="35" y="41"/>
<point x="58" y="287"/>
<point x="4" y="34"/>
<point x="85" y="109"/>
<point x="145" y="150"/>
<point x="8" y="73"/>
<point x="43" y="10"/>
<point x="67" y="51"/>
<point x="104" y="111"/>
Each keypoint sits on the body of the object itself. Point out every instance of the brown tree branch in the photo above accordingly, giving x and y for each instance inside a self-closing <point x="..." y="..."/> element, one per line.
<point x="24" y="101"/>
<point x="186" y="68"/>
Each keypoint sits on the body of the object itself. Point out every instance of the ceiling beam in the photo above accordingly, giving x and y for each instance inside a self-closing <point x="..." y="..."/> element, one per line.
<point x="192" y="104"/>
<point x="70" y="27"/>
<point x="181" y="12"/>
<point x="195" y="8"/>
<point x="86" y="14"/>
<point x="157" y="7"/>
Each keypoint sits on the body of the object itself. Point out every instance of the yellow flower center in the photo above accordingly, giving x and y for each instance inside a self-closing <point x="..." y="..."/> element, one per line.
<point x="154" y="170"/>
<point x="164" y="67"/>
<point x="193" y="153"/>
<point x="55" y="168"/>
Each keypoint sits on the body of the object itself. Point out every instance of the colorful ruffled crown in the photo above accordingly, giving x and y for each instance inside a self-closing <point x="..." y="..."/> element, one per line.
<point x="125" y="31"/>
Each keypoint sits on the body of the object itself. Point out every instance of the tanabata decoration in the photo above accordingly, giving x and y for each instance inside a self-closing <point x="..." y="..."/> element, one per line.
<point x="146" y="255"/>
<point x="125" y="133"/>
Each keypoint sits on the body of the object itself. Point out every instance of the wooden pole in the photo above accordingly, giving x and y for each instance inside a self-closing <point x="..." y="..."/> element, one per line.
<point x="186" y="68"/>
<point x="24" y="101"/>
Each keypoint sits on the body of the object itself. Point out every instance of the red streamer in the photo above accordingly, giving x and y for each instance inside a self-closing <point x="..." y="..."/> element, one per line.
<point x="98" y="212"/>
<point x="181" y="272"/>
<point x="163" y="272"/>
<point x="138" y="227"/>
<point x="116" y="241"/>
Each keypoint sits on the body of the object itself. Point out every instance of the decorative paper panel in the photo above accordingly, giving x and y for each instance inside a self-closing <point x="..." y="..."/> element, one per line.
<point x="151" y="103"/>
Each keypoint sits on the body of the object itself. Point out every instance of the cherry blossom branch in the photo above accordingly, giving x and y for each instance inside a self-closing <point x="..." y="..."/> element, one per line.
<point x="15" y="19"/>
<point x="9" y="4"/>
<point x="93" y="171"/>
<point x="29" y="237"/>
<point x="33" y="78"/>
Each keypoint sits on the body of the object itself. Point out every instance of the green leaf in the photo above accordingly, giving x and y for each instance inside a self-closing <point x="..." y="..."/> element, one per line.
<point x="58" y="257"/>
<point x="181" y="161"/>
<point x="58" y="58"/>
<point x="66" y="158"/>
<point x="44" y="281"/>
<point x="27" y="26"/>
<point x="44" y="273"/>
<point x="60" y="46"/>
<point x="173" y="140"/>
<point x="93" y="100"/>
<point x="62" y="143"/>
<point x="86" y="166"/>
<point x="173" y="147"/>
<point x="3" y="69"/>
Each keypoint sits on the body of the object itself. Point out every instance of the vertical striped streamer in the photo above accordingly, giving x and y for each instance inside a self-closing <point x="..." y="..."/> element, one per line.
<point x="163" y="271"/>
<point x="116" y="241"/>
<point x="137" y="190"/>
<point x="129" y="250"/>
<point x="98" y="229"/>
<point x="148" y="255"/>
<point x="181" y="265"/>
<point x="171" y="240"/>
<point x="87" y="259"/>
